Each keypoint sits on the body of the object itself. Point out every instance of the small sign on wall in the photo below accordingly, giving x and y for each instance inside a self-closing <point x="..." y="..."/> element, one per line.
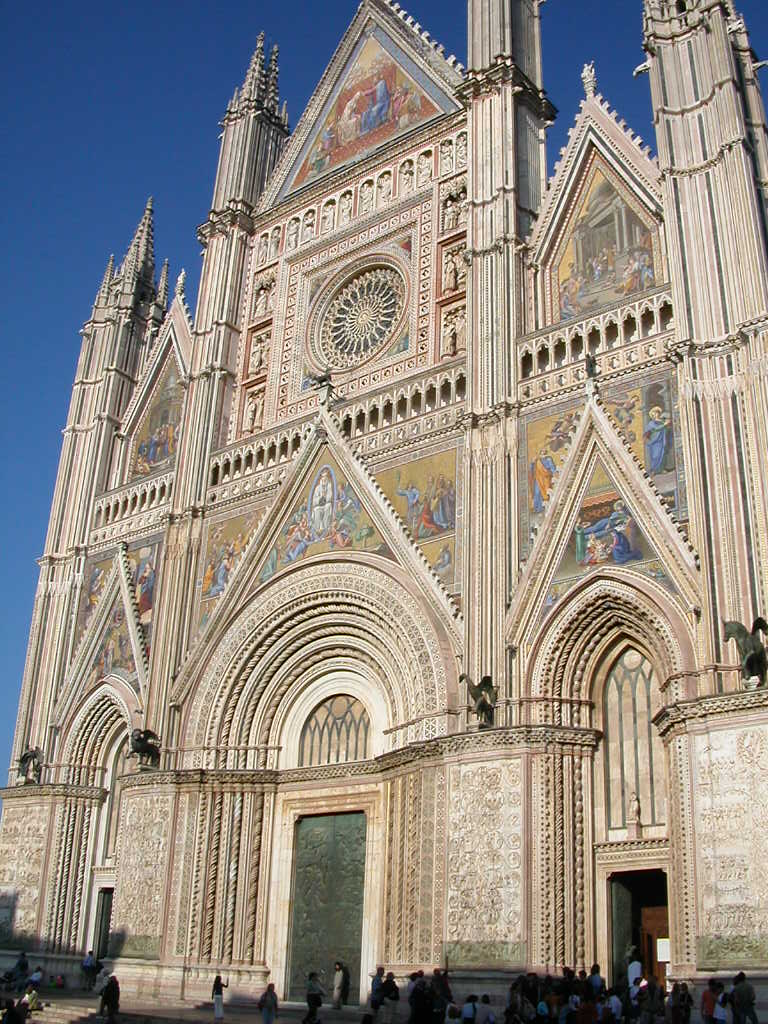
<point x="662" y="951"/>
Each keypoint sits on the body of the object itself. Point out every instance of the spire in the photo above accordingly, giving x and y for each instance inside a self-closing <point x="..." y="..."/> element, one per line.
<point x="102" y="296"/>
<point x="140" y="258"/>
<point x="273" y="96"/>
<point x="254" y="85"/>
<point x="181" y="283"/>
<point x="162" y="286"/>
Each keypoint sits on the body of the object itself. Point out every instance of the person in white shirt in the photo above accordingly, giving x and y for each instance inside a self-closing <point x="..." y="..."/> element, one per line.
<point x="483" y="1012"/>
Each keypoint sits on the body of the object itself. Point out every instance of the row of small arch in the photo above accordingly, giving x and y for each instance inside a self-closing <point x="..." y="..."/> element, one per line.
<point x="378" y="412"/>
<point x="450" y="158"/>
<point x="595" y="336"/>
<point x="138" y="499"/>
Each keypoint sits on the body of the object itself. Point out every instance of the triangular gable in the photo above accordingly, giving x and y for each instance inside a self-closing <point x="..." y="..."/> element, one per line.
<point x="385" y="79"/>
<point x="113" y="644"/>
<point x="603" y="514"/>
<point x="152" y="421"/>
<point x="300" y="524"/>
<point x="597" y="239"/>
<point x="596" y="127"/>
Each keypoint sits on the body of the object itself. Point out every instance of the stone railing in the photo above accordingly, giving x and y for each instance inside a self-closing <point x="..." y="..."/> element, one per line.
<point x="619" y="337"/>
<point x="138" y="505"/>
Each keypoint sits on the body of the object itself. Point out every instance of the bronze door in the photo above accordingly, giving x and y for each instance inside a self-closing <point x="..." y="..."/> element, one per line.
<point x="327" y="901"/>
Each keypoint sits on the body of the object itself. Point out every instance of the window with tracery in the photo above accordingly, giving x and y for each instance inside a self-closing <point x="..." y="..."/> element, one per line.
<point x="338" y="730"/>
<point x="634" y="757"/>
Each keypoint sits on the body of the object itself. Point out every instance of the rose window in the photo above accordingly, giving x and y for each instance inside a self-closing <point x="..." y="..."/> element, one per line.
<point x="362" y="317"/>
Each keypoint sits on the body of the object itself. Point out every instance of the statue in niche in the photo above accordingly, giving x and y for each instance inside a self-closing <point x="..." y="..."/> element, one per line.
<point x="257" y="357"/>
<point x="752" y="650"/>
<point x="450" y="337"/>
<point x="145" y="745"/>
<point x="262" y="298"/>
<point x="406" y="177"/>
<point x="345" y="208"/>
<point x="263" y="243"/>
<point x="463" y="207"/>
<point x="484" y="697"/>
<point x="270" y="289"/>
<point x="366" y="197"/>
<point x="424" y="168"/>
<point x="292" y="235"/>
<point x="274" y="244"/>
<point x="634" y="808"/>
<point x="309" y="226"/>
<point x="461" y="150"/>
<point x="326" y="222"/>
<point x="450" y="214"/>
<point x="446" y="157"/>
<point x="450" y="274"/>
<point x="30" y="766"/>
<point x="254" y="410"/>
<point x="590" y="365"/>
<point x="384" y="189"/>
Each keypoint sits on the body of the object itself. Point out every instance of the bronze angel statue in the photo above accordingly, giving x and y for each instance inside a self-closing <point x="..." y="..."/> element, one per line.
<point x="30" y="765"/>
<point x="146" y="745"/>
<point x="484" y="697"/>
<point x="752" y="650"/>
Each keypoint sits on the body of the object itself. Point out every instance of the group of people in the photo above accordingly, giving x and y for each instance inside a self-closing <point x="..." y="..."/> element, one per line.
<point x="717" y="1000"/>
<point x="26" y="985"/>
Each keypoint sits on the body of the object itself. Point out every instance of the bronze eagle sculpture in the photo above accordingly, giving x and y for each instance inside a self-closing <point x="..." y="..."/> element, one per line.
<point x="484" y="697"/>
<point x="752" y="650"/>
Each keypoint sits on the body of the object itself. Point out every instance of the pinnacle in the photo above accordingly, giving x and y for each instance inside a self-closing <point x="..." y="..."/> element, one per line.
<point x="162" y="286"/>
<point x="102" y="296"/>
<point x="140" y="258"/>
<point x="254" y="86"/>
<point x="273" y="97"/>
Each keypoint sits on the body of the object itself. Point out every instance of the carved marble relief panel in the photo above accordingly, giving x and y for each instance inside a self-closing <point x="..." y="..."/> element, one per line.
<point x="485" y="883"/>
<point x="731" y="822"/>
<point x="23" y="842"/>
<point x="137" y="917"/>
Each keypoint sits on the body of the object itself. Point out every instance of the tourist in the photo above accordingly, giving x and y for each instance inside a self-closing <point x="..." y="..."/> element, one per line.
<point x="110" y="998"/>
<point x="30" y="1001"/>
<point x="90" y="969"/>
<point x="340" y="985"/>
<point x="614" y="1002"/>
<point x="469" y="1009"/>
<point x="376" y="986"/>
<point x="315" y="993"/>
<point x="483" y="1011"/>
<point x="36" y="977"/>
<point x="421" y="1001"/>
<point x="708" y="999"/>
<point x="268" y="1005"/>
<point x="390" y="998"/>
<point x="720" y="1012"/>
<point x="217" y="994"/>
<point x="596" y="980"/>
<point x="12" y="1015"/>
<point x="743" y="996"/>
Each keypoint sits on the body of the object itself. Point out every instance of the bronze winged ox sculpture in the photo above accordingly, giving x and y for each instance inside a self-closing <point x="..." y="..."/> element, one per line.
<point x="752" y="650"/>
<point x="30" y="764"/>
<point x="484" y="697"/>
<point x="146" y="745"/>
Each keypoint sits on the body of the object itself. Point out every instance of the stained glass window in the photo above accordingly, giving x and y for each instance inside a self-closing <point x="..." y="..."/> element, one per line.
<point x="338" y="730"/>
<point x="634" y="761"/>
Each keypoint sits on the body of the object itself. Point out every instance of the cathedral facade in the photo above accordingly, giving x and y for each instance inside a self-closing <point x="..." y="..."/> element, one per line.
<point x="406" y="559"/>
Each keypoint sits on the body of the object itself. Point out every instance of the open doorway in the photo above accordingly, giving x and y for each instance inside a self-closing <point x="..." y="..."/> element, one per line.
<point x="639" y="921"/>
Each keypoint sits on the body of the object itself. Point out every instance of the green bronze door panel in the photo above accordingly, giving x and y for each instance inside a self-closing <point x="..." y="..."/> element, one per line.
<point x="327" y="903"/>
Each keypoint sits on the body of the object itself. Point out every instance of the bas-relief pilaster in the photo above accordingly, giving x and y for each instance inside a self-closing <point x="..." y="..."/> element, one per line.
<point x="144" y="848"/>
<point x="24" y="841"/>
<point x="729" y="766"/>
<point x="485" y="894"/>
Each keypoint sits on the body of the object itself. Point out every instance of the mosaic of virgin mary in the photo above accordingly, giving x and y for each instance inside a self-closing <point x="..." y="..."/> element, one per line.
<point x="376" y="101"/>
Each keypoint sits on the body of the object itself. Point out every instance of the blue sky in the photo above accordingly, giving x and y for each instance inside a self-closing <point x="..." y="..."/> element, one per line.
<point x="104" y="105"/>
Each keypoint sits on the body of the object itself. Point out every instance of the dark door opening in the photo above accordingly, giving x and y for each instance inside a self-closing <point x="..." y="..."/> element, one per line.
<point x="327" y="901"/>
<point x="103" y="920"/>
<point x="639" y="922"/>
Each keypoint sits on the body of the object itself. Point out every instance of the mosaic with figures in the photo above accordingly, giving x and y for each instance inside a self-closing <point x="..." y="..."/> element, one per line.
<point x="226" y="541"/>
<point x="144" y="563"/>
<point x="328" y="517"/>
<point x="423" y="493"/>
<point x="608" y="253"/>
<point x="605" y="530"/>
<point x="377" y="100"/>
<point x="157" y="439"/>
